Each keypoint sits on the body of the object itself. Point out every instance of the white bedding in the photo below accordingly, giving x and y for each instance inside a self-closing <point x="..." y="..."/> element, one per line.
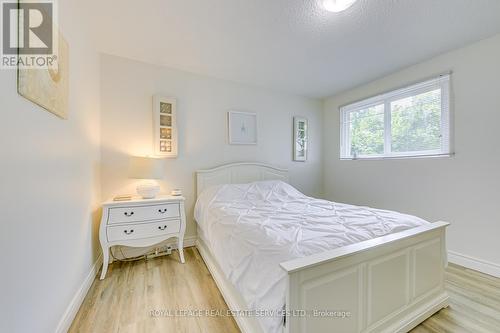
<point x="251" y="228"/>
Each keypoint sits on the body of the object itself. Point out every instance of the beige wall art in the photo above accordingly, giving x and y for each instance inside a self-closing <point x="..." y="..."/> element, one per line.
<point x="48" y="87"/>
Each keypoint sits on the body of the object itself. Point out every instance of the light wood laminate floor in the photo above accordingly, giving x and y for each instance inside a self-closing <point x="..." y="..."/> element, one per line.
<point x="124" y="300"/>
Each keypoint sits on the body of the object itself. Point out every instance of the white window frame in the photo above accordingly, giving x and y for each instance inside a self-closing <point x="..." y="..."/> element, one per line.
<point x="442" y="82"/>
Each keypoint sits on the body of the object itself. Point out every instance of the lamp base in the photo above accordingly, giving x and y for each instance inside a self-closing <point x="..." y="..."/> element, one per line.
<point x="148" y="190"/>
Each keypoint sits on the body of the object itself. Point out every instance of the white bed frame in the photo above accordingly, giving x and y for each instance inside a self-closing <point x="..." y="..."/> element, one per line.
<point x="387" y="284"/>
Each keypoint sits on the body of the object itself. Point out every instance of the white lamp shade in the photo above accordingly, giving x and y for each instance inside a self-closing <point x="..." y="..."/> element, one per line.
<point x="146" y="168"/>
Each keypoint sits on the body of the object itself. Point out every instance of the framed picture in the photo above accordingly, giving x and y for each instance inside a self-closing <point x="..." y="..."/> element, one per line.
<point x="242" y="128"/>
<point x="299" y="139"/>
<point x="165" y="126"/>
<point x="48" y="88"/>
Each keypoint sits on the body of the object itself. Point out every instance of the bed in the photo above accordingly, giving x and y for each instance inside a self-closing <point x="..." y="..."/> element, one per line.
<point x="285" y="262"/>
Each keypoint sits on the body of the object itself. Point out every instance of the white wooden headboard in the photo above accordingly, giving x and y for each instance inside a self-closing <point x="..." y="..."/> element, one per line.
<point x="238" y="173"/>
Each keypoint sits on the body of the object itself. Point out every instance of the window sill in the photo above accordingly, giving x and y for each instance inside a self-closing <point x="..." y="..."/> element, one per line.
<point x="375" y="158"/>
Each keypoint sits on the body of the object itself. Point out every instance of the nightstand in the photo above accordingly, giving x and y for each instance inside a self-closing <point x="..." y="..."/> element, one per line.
<point x="141" y="223"/>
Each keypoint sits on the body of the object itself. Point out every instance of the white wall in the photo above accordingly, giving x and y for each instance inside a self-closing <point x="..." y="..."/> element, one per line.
<point x="49" y="190"/>
<point x="127" y="88"/>
<point x="463" y="189"/>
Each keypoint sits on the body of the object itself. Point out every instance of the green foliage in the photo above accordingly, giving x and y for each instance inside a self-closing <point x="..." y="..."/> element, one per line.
<point x="367" y="131"/>
<point x="415" y="126"/>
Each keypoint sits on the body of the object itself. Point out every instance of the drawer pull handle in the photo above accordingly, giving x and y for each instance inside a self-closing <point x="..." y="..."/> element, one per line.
<point x="128" y="214"/>
<point x="162" y="211"/>
<point x="162" y="227"/>
<point x="128" y="232"/>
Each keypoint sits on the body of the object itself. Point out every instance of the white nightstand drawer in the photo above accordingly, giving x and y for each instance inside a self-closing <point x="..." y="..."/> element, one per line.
<point x="144" y="230"/>
<point x="143" y="213"/>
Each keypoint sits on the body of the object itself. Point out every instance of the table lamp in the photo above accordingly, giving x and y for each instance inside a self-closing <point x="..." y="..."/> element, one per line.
<point x="146" y="168"/>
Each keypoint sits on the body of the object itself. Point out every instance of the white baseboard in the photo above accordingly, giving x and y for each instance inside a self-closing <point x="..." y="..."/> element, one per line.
<point x="188" y="242"/>
<point x="76" y="302"/>
<point x="480" y="265"/>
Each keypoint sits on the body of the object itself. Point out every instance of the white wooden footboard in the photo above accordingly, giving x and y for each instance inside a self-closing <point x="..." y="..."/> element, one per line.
<point x="388" y="284"/>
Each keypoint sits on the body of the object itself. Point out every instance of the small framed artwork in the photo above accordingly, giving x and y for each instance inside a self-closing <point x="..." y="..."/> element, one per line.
<point x="242" y="128"/>
<point x="165" y="126"/>
<point x="300" y="139"/>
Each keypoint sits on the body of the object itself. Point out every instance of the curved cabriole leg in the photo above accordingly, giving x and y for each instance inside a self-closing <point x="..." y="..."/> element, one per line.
<point x="105" y="261"/>
<point x="181" y="249"/>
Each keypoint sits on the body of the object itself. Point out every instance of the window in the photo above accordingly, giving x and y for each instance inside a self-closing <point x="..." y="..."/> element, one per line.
<point x="413" y="121"/>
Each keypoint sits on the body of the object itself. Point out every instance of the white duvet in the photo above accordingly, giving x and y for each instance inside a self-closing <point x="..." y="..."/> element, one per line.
<point x="252" y="228"/>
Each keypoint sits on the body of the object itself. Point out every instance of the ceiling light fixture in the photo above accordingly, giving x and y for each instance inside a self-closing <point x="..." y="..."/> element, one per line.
<point x="337" y="5"/>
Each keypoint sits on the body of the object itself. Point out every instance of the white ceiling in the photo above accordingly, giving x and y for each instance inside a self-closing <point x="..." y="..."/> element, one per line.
<point x="291" y="45"/>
